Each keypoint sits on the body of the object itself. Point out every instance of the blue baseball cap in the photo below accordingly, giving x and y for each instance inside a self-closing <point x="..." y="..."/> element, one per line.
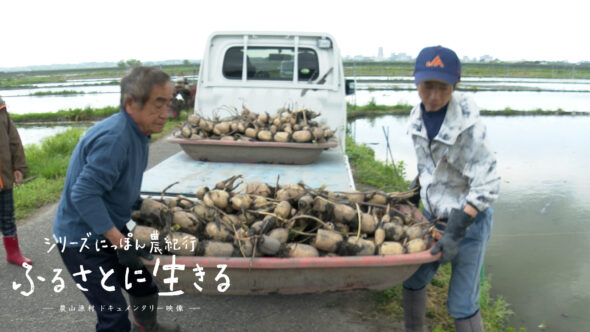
<point x="437" y="63"/>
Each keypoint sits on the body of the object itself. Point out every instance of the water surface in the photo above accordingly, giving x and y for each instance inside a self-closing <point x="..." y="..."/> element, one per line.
<point x="537" y="257"/>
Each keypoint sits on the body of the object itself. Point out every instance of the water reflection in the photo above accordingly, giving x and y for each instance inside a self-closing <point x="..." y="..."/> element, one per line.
<point x="54" y="103"/>
<point x="547" y="94"/>
<point x="490" y="100"/>
<point x="541" y="236"/>
<point x="34" y="134"/>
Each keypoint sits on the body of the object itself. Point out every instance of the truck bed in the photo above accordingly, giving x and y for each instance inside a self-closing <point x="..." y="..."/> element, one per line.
<point x="330" y="169"/>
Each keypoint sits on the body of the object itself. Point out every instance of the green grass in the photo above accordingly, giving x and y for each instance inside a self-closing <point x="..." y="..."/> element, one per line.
<point x="47" y="163"/>
<point x="61" y="93"/>
<point x="18" y="80"/>
<point x="373" y="109"/>
<point x="76" y="114"/>
<point x="487" y="69"/>
<point x="495" y="312"/>
<point x="373" y="172"/>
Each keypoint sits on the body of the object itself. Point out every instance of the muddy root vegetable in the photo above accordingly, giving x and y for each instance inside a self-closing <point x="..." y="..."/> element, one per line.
<point x="245" y="246"/>
<point x="201" y="192"/>
<point x="246" y="218"/>
<point x="240" y="202"/>
<point x="181" y="244"/>
<point x="355" y="196"/>
<point x="264" y="135"/>
<point x="368" y="223"/>
<point x="262" y="119"/>
<point x="155" y="214"/>
<point x="216" y="249"/>
<point x="393" y="231"/>
<point x="321" y="205"/>
<point x="379" y="236"/>
<point x="342" y="228"/>
<point x="327" y="240"/>
<point x="378" y="197"/>
<point x="170" y="202"/>
<point x="281" y="234"/>
<point x="367" y="246"/>
<point x="217" y="197"/>
<point x="217" y="232"/>
<point x="259" y="189"/>
<point x="317" y="133"/>
<point x="290" y="193"/>
<point x="204" y="212"/>
<point x="300" y="250"/>
<point x="302" y="136"/>
<point x="269" y="245"/>
<point x="206" y="125"/>
<point x="390" y="248"/>
<point x="221" y="128"/>
<point x="255" y="228"/>
<point x="251" y="132"/>
<point x="186" y="131"/>
<point x="193" y="120"/>
<point x="184" y="202"/>
<point x="414" y="232"/>
<point x="283" y="209"/>
<point x="415" y="245"/>
<point x="305" y="204"/>
<point x="345" y="214"/>
<point x="282" y="137"/>
<point x="259" y="202"/>
<point x="231" y="220"/>
<point x="187" y="222"/>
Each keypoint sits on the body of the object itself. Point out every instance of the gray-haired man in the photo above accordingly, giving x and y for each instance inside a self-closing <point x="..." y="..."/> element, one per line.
<point x="102" y="187"/>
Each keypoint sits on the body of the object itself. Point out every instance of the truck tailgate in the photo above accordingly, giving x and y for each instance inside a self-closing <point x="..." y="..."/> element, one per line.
<point x="330" y="169"/>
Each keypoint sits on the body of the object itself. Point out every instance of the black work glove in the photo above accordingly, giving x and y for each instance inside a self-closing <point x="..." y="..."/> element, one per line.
<point x="130" y="257"/>
<point x="415" y="185"/>
<point x="457" y="226"/>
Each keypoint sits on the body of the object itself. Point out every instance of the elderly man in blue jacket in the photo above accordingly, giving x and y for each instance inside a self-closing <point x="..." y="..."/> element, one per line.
<point x="458" y="180"/>
<point x="102" y="187"/>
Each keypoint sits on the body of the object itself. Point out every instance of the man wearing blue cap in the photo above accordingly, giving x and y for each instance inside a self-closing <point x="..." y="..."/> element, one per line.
<point x="458" y="183"/>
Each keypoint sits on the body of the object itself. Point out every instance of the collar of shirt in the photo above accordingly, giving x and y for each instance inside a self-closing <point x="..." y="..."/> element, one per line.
<point x="131" y="123"/>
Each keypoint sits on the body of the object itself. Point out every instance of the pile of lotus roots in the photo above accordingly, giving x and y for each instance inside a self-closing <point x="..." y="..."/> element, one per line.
<point x="239" y="219"/>
<point x="285" y="126"/>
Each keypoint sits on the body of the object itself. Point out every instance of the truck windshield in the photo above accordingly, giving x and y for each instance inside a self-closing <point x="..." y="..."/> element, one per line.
<point x="271" y="63"/>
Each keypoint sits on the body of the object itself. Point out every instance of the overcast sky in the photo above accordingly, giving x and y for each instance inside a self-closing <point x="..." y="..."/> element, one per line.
<point x="38" y="32"/>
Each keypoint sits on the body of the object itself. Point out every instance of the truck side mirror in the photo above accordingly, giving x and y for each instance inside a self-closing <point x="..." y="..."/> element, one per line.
<point x="349" y="87"/>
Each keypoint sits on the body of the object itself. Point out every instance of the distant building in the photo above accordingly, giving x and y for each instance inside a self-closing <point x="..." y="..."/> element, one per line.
<point x="380" y="54"/>
<point x="400" y="57"/>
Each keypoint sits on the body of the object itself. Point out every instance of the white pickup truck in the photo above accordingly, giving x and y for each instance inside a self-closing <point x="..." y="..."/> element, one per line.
<point x="265" y="71"/>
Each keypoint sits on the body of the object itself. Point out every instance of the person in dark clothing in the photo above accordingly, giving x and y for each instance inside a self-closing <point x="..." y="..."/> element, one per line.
<point x="102" y="187"/>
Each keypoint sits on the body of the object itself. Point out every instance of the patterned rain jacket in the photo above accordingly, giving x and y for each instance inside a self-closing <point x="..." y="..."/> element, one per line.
<point x="457" y="166"/>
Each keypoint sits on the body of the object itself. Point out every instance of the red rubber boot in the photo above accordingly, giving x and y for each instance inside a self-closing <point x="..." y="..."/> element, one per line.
<point x="13" y="254"/>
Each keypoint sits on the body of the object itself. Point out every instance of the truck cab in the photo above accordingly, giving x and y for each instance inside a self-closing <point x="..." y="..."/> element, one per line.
<point x="264" y="72"/>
